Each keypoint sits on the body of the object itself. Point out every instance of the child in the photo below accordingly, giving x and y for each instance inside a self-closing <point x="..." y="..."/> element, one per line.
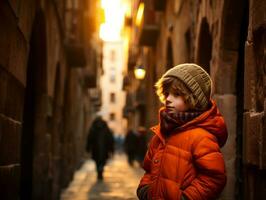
<point x="184" y="159"/>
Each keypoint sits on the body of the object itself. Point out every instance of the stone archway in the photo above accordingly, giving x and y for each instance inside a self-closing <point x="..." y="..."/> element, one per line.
<point x="34" y="170"/>
<point x="229" y="79"/>
<point x="204" y="52"/>
<point x="169" y="55"/>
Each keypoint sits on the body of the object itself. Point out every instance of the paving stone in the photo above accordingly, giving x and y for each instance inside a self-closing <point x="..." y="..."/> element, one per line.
<point x="120" y="181"/>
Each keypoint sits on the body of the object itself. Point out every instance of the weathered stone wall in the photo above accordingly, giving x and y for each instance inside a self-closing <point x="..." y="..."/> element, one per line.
<point x="13" y="58"/>
<point x="228" y="39"/>
<point x="255" y="103"/>
<point x="43" y="117"/>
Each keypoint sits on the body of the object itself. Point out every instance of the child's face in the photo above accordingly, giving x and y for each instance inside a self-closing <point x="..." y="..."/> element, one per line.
<point x="175" y="103"/>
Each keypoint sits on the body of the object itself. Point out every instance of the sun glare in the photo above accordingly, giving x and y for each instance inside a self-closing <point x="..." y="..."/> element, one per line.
<point x="140" y="14"/>
<point x="114" y="20"/>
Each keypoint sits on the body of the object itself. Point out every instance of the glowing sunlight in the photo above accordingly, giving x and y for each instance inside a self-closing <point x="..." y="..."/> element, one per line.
<point x="114" y="20"/>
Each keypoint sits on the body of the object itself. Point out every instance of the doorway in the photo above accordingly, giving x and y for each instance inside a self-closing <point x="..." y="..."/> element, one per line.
<point x="35" y="87"/>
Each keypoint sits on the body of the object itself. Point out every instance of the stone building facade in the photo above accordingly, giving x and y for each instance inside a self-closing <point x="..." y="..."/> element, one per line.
<point x="227" y="38"/>
<point x="48" y="61"/>
<point x="113" y="99"/>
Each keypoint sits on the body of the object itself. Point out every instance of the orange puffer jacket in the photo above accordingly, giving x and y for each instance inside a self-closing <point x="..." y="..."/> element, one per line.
<point x="189" y="162"/>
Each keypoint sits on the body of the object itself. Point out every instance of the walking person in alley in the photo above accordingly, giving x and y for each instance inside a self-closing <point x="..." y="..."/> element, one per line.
<point x="184" y="160"/>
<point x="141" y="146"/>
<point x="130" y="146"/>
<point x="100" y="143"/>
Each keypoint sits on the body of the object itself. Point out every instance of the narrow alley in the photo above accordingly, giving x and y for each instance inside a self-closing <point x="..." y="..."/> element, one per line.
<point x="120" y="181"/>
<point x="83" y="80"/>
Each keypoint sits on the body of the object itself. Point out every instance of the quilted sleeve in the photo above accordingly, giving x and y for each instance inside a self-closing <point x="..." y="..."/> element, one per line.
<point x="211" y="177"/>
<point x="146" y="179"/>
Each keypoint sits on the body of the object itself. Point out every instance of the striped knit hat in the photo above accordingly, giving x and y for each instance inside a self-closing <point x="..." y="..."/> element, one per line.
<point x="196" y="79"/>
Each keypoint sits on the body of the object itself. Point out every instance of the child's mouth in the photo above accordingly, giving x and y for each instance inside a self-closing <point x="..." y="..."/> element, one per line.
<point x="169" y="108"/>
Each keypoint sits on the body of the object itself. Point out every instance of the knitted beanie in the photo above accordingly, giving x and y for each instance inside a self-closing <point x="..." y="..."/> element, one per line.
<point x="196" y="79"/>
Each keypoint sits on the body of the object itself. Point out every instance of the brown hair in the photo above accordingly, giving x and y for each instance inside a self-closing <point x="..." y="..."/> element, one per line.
<point x="166" y="85"/>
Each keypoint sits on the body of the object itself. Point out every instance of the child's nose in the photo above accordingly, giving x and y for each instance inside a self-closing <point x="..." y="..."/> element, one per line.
<point x="167" y="103"/>
<point x="168" y="98"/>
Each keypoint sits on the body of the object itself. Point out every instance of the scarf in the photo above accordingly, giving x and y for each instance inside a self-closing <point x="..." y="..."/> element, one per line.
<point x="171" y="121"/>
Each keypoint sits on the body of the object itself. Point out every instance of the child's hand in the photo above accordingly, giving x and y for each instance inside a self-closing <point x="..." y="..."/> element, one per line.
<point x="142" y="192"/>
<point x="183" y="197"/>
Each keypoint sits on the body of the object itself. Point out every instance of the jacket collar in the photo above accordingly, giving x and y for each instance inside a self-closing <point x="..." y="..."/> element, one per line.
<point x="207" y="120"/>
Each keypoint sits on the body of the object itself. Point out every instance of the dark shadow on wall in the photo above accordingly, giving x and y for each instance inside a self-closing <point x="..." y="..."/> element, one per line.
<point x="57" y="132"/>
<point x="169" y="60"/>
<point x="35" y="86"/>
<point x="204" y="53"/>
<point x="240" y="103"/>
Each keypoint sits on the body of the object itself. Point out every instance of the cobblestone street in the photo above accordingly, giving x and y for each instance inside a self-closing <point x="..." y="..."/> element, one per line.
<point x="120" y="181"/>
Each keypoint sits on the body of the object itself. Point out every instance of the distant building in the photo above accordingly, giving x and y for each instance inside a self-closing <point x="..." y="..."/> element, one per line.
<point x="113" y="97"/>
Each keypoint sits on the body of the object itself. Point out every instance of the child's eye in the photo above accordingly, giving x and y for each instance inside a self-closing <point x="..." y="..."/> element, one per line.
<point x="166" y="94"/>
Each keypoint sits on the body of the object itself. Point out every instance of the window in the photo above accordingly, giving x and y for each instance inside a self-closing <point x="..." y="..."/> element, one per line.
<point x="112" y="116"/>
<point x="112" y="75"/>
<point x="112" y="78"/>
<point x="112" y="55"/>
<point x="112" y="97"/>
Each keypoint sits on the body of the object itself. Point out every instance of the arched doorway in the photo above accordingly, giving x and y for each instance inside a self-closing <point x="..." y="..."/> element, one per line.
<point x="169" y="55"/>
<point x="204" y="52"/>
<point x="232" y="47"/>
<point x="33" y="108"/>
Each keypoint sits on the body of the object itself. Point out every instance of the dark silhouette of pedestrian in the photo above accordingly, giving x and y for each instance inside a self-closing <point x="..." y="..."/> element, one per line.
<point x="119" y="141"/>
<point x="100" y="143"/>
<point x="130" y="145"/>
<point x="141" y="146"/>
